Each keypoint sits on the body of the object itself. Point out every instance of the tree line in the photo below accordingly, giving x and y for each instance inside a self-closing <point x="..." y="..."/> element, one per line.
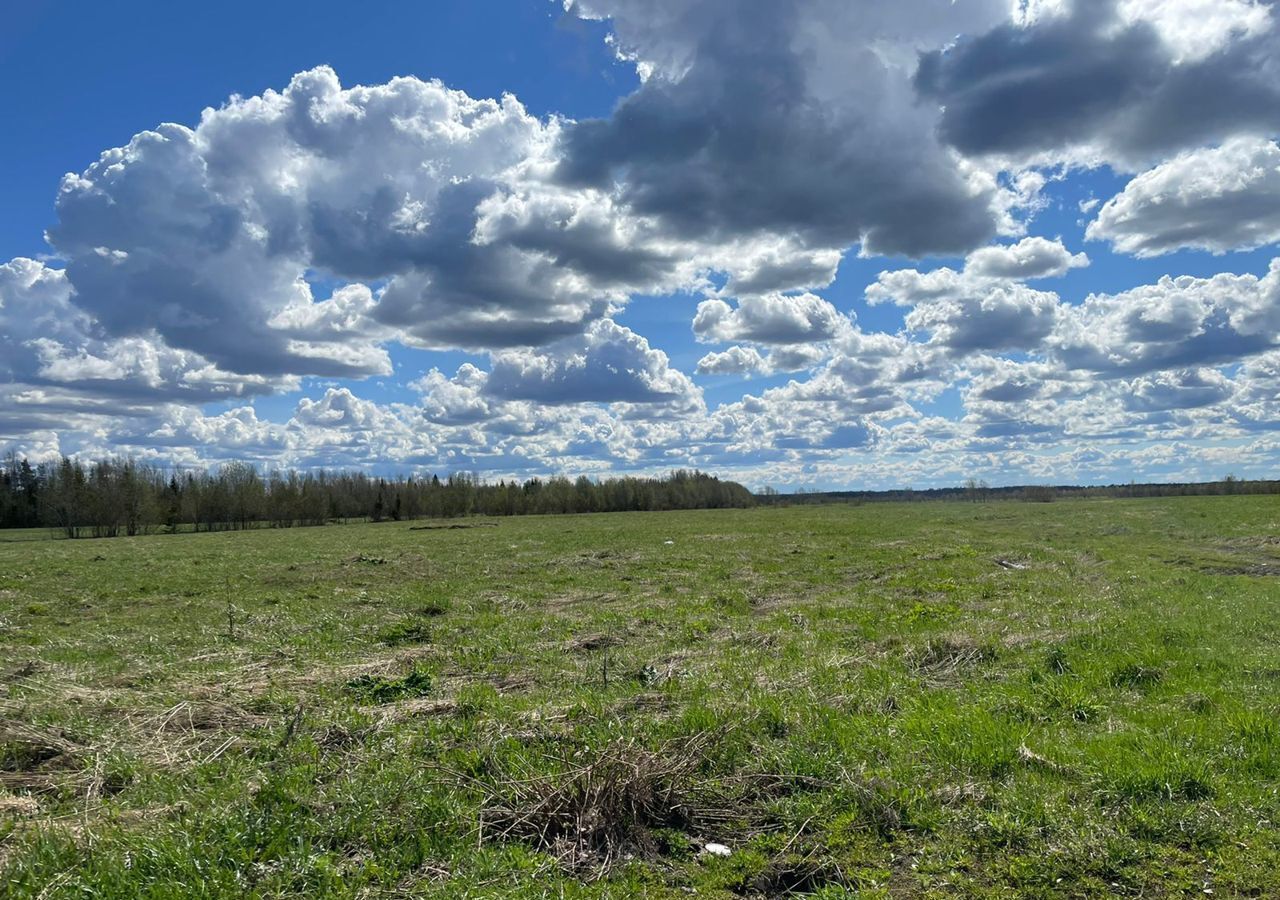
<point x="123" y="496"/>
<point x="974" y="490"/>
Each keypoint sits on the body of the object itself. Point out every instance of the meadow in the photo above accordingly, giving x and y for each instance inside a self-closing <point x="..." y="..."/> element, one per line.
<point x="1071" y="699"/>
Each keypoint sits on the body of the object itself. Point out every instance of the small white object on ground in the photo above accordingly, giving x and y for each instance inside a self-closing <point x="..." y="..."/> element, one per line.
<point x="669" y="543"/>
<point x="716" y="849"/>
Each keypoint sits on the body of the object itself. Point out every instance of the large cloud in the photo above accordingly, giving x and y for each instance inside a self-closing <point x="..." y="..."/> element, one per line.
<point x="1173" y="324"/>
<point x="59" y="352"/>
<point x="1219" y="199"/>
<point x="734" y="361"/>
<point x="1127" y="80"/>
<point x="607" y="364"/>
<point x="791" y="118"/>
<point x="1033" y="257"/>
<point x="205" y="235"/>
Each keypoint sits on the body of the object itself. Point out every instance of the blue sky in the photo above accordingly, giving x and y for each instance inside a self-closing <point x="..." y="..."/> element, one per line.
<point x="820" y="244"/>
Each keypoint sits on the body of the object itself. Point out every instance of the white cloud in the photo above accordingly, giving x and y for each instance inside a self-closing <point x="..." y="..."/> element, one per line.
<point x="768" y="319"/>
<point x="999" y="317"/>
<point x="967" y="313"/>
<point x="47" y="341"/>
<point x="795" y="357"/>
<point x="608" y="364"/>
<point x="1033" y="257"/>
<point x="1181" y="389"/>
<point x="209" y="232"/>
<point x="734" y="361"/>
<point x="1173" y="324"/>
<point x="1195" y="29"/>
<point x="1218" y="199"/>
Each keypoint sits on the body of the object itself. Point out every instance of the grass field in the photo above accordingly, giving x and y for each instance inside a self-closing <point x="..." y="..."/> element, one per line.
<point x="1073" y="699"/>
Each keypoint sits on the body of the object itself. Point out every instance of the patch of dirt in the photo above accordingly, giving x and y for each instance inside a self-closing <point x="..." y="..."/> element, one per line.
<point x="589" y="642"/>
<point x="1256" y="570"/>
<point x="795" y="874"/>
<point x="1233" y="561"/>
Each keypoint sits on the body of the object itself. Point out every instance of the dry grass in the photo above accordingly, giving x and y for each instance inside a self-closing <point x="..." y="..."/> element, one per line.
<point x="949" y="656"/>
<point x="594" y="808"/>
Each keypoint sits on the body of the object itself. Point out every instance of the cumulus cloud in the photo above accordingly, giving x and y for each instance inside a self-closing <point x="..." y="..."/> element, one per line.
<point x="58" y="350"/>
<point x="1002" y="317"/>
<point x="1218" y="199"/>
<point x="966" y="313"/>
<point x="607" y="364"/>
<point x="768" y="319"/>
<point x="1173" y="324"/>
<point x="787" y="118"/>
<point x="1033" y="257"/>
<point x="795" y="357"/>
<point x="1128" y="81"/>
<point x="1181" y="389"/>
<point x="1196" y="29"/>
<point x="734" y="361"/>
<point x="206" y="235"/>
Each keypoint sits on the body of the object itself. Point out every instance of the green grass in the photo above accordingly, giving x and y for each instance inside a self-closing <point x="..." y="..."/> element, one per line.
<point x="856" y="700"/>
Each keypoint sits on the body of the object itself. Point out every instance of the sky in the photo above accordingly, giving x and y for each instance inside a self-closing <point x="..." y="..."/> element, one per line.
<point x="819" y="244"/>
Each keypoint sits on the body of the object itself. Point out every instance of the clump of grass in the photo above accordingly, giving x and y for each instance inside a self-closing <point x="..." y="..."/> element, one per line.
<point x="1257" y="741"/>
<point x="925" y="613"/>
<point x="886" y="805"/>
<point x="1056" y="662"/>
<point x="433" y="608"/>
<point x="418" y="682"/>
<point x="1140" y="768"/>
<point x="942" y="656"/>
<point x="592" y="808"/>
<point x="969" y="740"/>
<point x="405" y="632"/>
<point x="27" y="748"/>
<point x="1136" y="674"/>
<point x="1070" y="697"/>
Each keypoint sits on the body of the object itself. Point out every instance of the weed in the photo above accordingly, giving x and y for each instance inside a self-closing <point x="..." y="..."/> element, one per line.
<point x="418" y="682"/>
<point x="405" y="632"/>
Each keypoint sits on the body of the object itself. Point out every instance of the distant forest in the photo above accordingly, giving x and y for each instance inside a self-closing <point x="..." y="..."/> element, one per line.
<point x="113" y="497"/>
<point x="122" y="496"/>
<point x="977" y="491"/>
